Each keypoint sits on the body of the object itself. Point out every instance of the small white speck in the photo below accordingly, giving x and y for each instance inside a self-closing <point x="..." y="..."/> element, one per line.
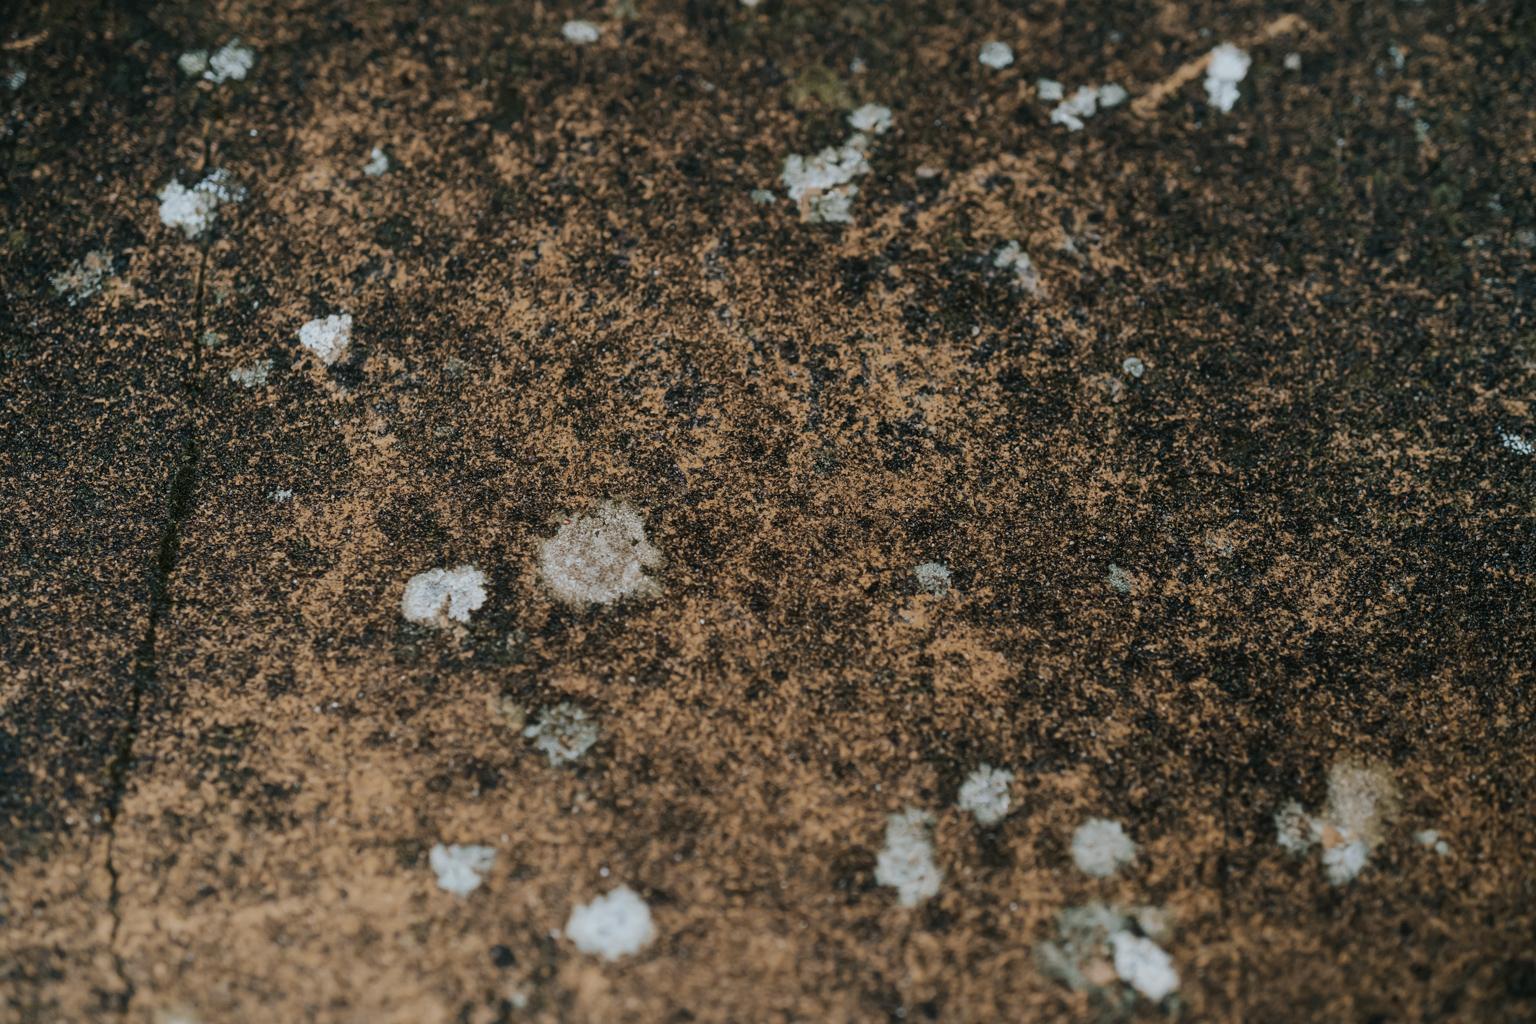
<point x="1049" y="90"/>
<point x="985" y="794"/>
<point x="906" y="862"/>
<point x="564" y="733"/>
<point x="1398" y="57"/>
<point x="1293" y="61"/>
<point x="1133" y="366"/>
<point x="327" y="337"/>
<point x="15" y="80"/>
<point x="823" y="183"/>
<point x="1516" y="443"/>
<point x="439" y="597"/>
<point x="1118" y="579"/>
<point x="1142" y="964"/>
<point x="996" y="55"/>
<point x="933" y="577"/>
<point x="378" y="163"/>
<point x="1077" y="108"/>
<point x="871" y="118"/>
<point x="459" y="868"/>
<point x="231" y="61"/>
<point x="1431" y="838"/>
<point x="282" y="495"/>
<point x="1228" y="66"/>
<point x="763" y="197"/>
<point x="612" y="926"/>
<point x="1100" y="847"/>
<point x="581" y="33"/>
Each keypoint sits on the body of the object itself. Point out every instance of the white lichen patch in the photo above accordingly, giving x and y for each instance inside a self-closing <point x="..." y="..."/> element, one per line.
<point x="193" y="63"/>
<point x="600" y="558"/>
<point x="1431" y="838"/>
<point x="1133" y="367"/>
<point x="1077" y="108"/>
<point x="1119" y="580"/>
<point x="933" y="577"/>
<point x="906" y="861"/>
<point x="1112" y="95"/>
<point x="581" y="33"/>
<point x="1227" y="66"/>
<point x="1100" y="847"/>
<point x="995" y="55"/>
<point x="327" y="337"/>
<point x="1112" y="953"/>
<point x="232" y="61"/>
<point x="612" y="926"/>
<point x="1013" y="257"/>
<point x="871" y="118"/>
<point x="84" y="277"/>
<point x="1362" y="800"/>
<point x="15" y="79"/>
<point x="1143" y="965"/>
<point x="193" y="210"/>
<point x="441" y="597"/>
<point x="822" y="184"/>
<point x="460" y="869"/>
<point x="1049" y="90"/>
<point x="251" y="375"/>
<point x="378" y="163"/>
<point x="564" y="733"/>
<point x="985" y="794"/>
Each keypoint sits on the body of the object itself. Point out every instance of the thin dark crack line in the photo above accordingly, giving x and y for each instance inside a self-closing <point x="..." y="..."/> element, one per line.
<point x="146" y="672"/>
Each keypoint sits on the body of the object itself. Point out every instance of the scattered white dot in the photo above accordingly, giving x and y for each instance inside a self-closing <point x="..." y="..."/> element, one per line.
<point x="282" y="495"/>
<point x="600" y="558"/>
<point x="1100" y="847"/>
<point x="1142" y="964"/>
<point x="1119" y="580"/>
<point x="612" y="926"/>
<point x="996" y="55"/>
<point x="985" y="794"/>
<point x="582" y="33"/>
<point x="1049" y="90"/>
<point x="1431" y="838"/>
<point x="459" y="868"/>
<point x="871" y="118"/>
<point x="194" y="209"/>
<point x="251" y="375"/>
<point x="906" y="862"/>
<point x="1133" y="366"/>
<point x="439" y="597"/>
<point x="933" y="577"/>
<point x="193" y="63"/>
<point x="378" y="163"/>
<point x="1293" y="61"/>
<point x="327" y="337"/>
<point x="15" y="80"/>
<point x="763" y="197"/>
<point x="1516" y="443"/>
<point x="1361" y="802"/>
<point x="1228" y="65"/>
<point x="564" y="733"/>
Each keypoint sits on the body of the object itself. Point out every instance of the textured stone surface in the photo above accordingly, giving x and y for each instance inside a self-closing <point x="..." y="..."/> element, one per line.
<point x="1176" y="598"/>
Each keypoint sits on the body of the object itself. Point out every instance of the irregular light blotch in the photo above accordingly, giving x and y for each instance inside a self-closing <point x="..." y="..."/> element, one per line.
<point x="327" y="337"/>
<point x="612" y="926"/>
<point x="459" y="868"/>
<point x="1362" y="800"/>
<point x="439" y="597"/>
<point x="933" y="577"/>
<point x="194" y="209"/>
<point x="600" y="558"/>
<point x="906" y="862"/>
<point x="1100" y="847"/>
<point x="985" y="794"/>
<point x="564" y="733"/>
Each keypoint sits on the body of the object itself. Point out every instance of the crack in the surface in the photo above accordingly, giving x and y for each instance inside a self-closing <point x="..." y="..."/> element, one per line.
<point x="146" y="674"/>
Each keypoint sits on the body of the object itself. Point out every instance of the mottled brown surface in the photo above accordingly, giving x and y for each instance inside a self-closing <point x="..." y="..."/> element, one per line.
<point x="224" y="754"/>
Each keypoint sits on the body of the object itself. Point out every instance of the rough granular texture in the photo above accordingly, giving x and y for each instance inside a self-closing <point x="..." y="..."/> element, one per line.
<point x="1294" y="533"/>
